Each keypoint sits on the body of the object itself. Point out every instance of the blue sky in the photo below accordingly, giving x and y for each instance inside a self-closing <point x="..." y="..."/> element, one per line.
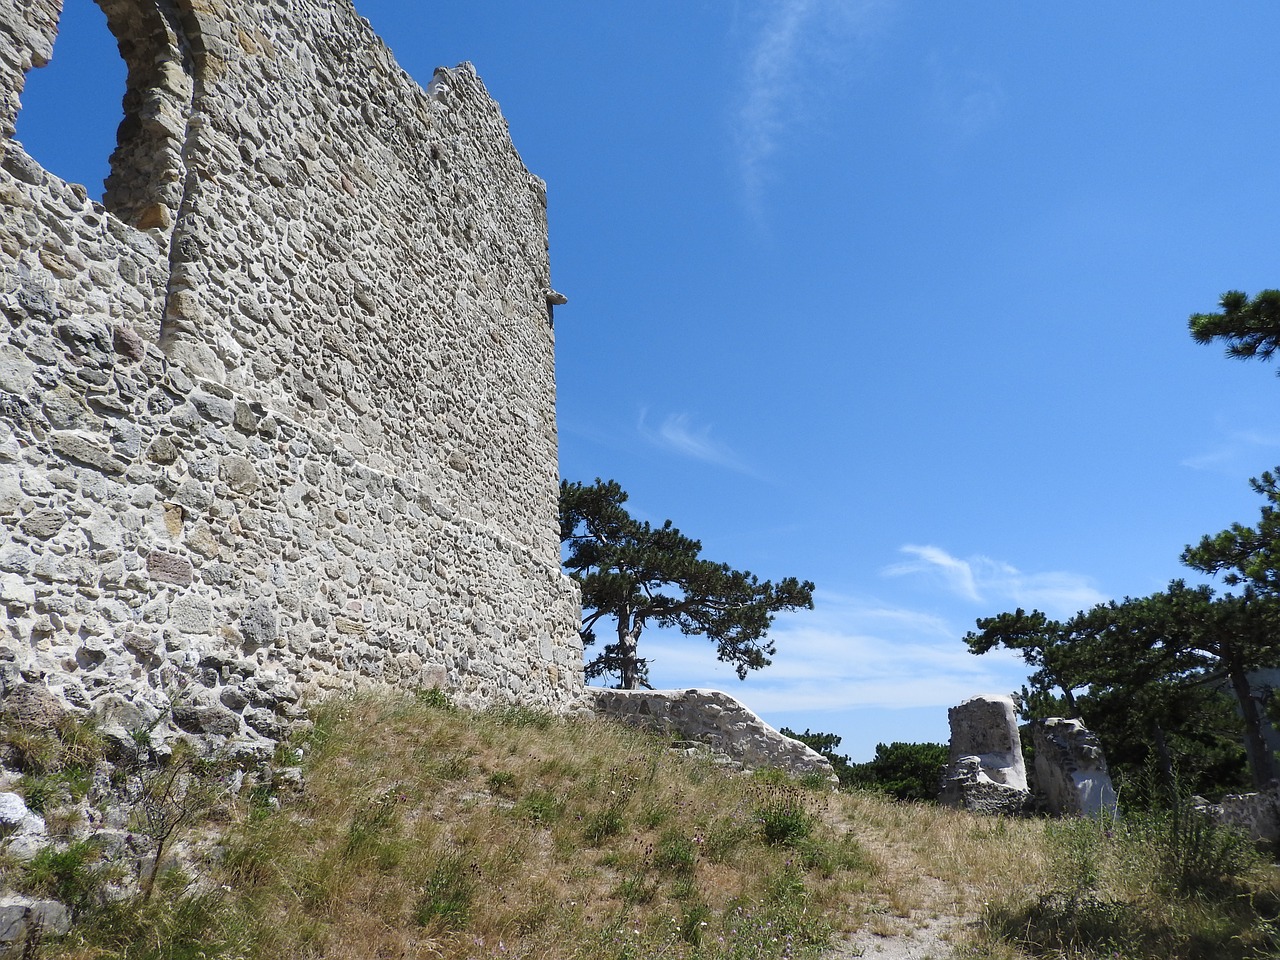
<point x="887" y="295"/>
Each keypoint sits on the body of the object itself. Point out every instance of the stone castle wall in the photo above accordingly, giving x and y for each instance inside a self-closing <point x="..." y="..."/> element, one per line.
<point x="283" y="412"/>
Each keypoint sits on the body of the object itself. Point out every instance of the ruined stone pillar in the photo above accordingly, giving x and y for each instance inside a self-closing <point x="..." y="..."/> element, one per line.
<point x="985" y="772"/>
<point x="1071" y="771"/>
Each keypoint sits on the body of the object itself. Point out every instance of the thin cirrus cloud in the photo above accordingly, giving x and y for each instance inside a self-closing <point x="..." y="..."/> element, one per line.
<point x="966" y="102"/>
<point x="799" y="50"/>
<point x="847" y="651"/>
<point x="678" y="434"/>
<point x="1233" y="451"/>
<point x="983" y="580"/>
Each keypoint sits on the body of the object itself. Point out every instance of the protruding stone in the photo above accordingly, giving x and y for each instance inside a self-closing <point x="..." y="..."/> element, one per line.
<point x="33" y="706"/>
<point x="170" y="568"/>
<point x="216" y="721"/>
<point x="12" y="811"/>
<point x="42" y="524"/>
<point x="79" y="450"/>
<point x="127" y="343"/>
<point x="239" y="474"/>
<point x="715" y="719"/>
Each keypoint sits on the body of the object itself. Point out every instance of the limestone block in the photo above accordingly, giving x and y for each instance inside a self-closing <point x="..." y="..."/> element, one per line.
<point x="214" y="720"/>
<point x="15" y="371"/>
<point x="986" y="726"/>
<point x="985" y="771"/>
<point x="83" y="451"/>
<point x="16" y="591"/>
<point x="192" y="613"/>
<point x="1255" y="814"/>
<point x="42" y="524"/>
<point x="12" y="811"/>
<point x="25" y="921"/>
<point x="1071" y="771"/>
<point x="967" y="786"/>
<point x="239" y="474"/>
<point x="713" y="718"/>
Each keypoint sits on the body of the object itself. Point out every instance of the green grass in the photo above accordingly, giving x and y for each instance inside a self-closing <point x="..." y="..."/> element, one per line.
<point x="425" y="830"/>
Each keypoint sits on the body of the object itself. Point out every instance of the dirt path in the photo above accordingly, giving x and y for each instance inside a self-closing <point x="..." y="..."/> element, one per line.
<point x="926" y="942"/>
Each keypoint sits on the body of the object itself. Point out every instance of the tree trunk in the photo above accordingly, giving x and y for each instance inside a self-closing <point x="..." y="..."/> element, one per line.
<point x="1164" y="759"/>
<point x="1071" y="701"/>
<point x="1261" y="763"/>
<point x="628" y="663"/>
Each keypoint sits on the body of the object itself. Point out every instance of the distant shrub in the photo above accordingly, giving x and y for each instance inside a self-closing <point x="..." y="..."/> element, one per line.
<point x="905" y="771"/>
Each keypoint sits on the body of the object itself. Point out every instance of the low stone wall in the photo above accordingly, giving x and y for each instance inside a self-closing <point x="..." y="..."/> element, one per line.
<point x="713" y="718"/>
<point x="1257" y="814"/>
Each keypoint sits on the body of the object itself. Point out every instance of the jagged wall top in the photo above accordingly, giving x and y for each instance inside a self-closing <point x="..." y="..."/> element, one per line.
<point x="298" y="376"/>
<point x="289" y="131"/>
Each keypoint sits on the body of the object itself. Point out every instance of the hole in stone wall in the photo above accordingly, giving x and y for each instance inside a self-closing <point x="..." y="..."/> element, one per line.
<point x="71" y="108"/>
<point x="73" y="132"/>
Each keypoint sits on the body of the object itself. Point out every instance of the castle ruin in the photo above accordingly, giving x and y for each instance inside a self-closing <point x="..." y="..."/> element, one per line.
<point x="277" y="417"/>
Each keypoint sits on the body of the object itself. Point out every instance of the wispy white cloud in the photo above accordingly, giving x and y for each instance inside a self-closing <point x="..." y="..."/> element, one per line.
<point x="983" y="580"/>
<point x="956" y="573"/>
<point x="1237" y="447"/>
<point x="848" y="652"/>
<point x="679" y="434"/>
<point x="800" y="48"/>
<point x="966" y="102"/>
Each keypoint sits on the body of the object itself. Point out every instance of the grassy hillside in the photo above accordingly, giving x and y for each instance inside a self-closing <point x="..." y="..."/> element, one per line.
<point x="423" y="831"/>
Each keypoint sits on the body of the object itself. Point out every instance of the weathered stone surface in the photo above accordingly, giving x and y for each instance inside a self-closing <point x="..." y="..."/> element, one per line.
<point x="32" y="706"/>
<point x="192" y="613"/>
<point x="128" y="343"/>
<point x="985" y="772"/>
<point x="715" y="719"/>
<point x="1071" y="771"/>
<point x="25" y="922"/>
<point x="239" y="474"/>
<point x="307" y="411"/>
<point x="42" y="524"/>
<point x="170" y="568"/>
<point x="967" y="785"/>
<point x="258" y="624"/>
<point x="12" y="811"/>
<point x="79" y="450"/>
<point x="206" y="719"/>
<point x="163" y="450"/>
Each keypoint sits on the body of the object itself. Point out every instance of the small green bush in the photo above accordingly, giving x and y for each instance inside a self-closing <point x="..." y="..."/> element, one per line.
<point x="502" y="784"/>
<point x="68" y="874"/>
<point x="675" y="854"/>
<point x="448" y="894"/>
<point x="436" y="699"/>
<point x="783" y="818"/>
<point x="540" y="806"/>
<point x="1199" y="857"/>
